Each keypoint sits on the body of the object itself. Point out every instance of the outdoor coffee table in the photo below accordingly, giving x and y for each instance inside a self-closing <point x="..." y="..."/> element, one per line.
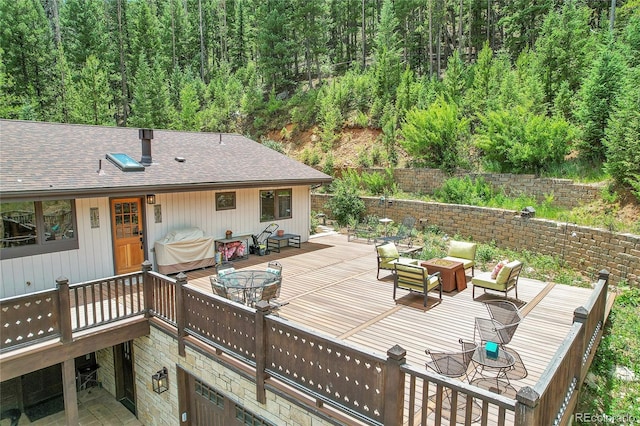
<point x="452" y="273"/>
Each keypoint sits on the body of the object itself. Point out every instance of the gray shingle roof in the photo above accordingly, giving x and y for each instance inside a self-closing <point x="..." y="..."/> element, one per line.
<point x="40" y="159"/>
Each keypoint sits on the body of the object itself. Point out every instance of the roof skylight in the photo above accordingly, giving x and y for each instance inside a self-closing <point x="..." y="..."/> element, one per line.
<point x="124" y="162"/>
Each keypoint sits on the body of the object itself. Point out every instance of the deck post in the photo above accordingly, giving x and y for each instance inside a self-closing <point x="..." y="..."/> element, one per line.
<point x="526" y="412"/>
<point x="394" y="386"/>
<point x="181" y="281"/>
<point x="262" y="309"/>
<point x="64" y="309"/>
<point x="147" y="288"/>
<point x="70" y="392"/>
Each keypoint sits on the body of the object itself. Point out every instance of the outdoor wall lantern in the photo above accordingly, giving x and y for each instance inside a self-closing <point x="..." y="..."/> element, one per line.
<point x="151" y="198"/>
<point x="160" y="380"/>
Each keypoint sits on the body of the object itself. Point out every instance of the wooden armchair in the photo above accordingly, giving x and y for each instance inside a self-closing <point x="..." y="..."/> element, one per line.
<point x="416" y="278"/>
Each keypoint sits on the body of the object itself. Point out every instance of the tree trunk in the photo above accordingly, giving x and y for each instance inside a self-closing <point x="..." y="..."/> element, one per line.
<point x="123" y="69"/>
<point x="202" y="53"/>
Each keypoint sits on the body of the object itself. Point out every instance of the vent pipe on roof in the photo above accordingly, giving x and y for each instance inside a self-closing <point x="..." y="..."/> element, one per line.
<point x="145" y="136"/>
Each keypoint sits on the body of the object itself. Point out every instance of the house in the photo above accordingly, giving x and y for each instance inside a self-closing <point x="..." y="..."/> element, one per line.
<point x="86" y="202"/>
<point x="80" y="226"/>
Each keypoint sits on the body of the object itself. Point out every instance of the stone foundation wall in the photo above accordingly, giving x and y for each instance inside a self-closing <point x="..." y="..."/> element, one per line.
<point x="159" y="349"/>
<point x="582" y="248"/>
<point x="565" y="192"/>
<point x="107" y="371"/>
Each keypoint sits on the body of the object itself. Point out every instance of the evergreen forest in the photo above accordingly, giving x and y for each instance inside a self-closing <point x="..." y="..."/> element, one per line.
<point x="514" y="86"/>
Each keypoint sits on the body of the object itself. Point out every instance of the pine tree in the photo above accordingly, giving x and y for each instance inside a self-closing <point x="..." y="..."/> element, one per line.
<point x="91" y="97"/>
<point x="27" y="41"/>
<point x="597" y="97"/>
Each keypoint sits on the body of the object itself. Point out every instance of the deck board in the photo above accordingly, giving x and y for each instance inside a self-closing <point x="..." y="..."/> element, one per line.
<point x="331" y="287"/>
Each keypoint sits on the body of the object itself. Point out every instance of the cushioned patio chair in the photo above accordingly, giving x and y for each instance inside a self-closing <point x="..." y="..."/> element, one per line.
<point x="416" y="279"/>
<point x="505" y="280"/>
<point x="387" y="256"/>
<point x="504" y="319"/>
<point x="464" y="252"/>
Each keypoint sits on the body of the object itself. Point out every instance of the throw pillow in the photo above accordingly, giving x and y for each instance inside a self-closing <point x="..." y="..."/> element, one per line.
<point x="497" y="268"/>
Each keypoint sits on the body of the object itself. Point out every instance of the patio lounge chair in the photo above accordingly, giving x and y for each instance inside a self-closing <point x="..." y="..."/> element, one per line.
<point x="403" y="234"/>
<point x="502" y="324"/>
<point x="506" y="279"/>
<point x="416" y="279"/>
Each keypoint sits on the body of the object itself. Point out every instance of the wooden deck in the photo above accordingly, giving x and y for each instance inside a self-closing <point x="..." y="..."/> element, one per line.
<point x="331" y="287"/>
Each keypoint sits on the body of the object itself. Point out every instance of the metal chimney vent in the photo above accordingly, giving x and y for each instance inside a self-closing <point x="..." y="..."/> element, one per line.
<point x="145" y="136"/>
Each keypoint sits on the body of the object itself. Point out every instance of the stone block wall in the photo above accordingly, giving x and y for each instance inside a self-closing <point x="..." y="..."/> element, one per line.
<point x="565" y="192"/>
<point x="107" y="371"/>
<point x="160" y="349"/>
<point x="581" y="248"/>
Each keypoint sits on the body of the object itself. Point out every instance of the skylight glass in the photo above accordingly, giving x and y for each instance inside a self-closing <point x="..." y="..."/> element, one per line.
<point x="124" y="162"/>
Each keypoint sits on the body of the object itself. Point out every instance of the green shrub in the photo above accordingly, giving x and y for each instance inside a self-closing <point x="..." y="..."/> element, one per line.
<point x="328" y="164"/>
<point x="274" y="145"/>
<point x="345" y="205"/>
<point x="465" y="191"/>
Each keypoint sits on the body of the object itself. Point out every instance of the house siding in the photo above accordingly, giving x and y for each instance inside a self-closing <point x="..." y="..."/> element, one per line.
<point x="94" y="257"/>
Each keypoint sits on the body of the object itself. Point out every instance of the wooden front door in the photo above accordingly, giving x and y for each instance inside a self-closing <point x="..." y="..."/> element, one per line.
<point x="128" y="242"/>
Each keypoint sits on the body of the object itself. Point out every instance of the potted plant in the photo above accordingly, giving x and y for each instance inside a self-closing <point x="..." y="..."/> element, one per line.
<point x="229" y="234"/>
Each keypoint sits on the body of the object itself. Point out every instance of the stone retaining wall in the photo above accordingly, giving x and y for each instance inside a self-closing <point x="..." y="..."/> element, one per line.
<point x="565" y="192"/>
<point x="582" y="248"/>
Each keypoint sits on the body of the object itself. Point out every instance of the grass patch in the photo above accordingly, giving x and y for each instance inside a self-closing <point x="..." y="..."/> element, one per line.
<point x="604" y="393"/>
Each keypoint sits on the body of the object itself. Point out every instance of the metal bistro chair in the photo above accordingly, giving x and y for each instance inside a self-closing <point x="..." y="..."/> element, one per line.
<point x="220" y="290"/>
<point x="275" y="267"/>
<point x="404" y="232"/>
<point x="500" y="328"/>
<point x="454" y="364"/>
<point x="271" y="292"/>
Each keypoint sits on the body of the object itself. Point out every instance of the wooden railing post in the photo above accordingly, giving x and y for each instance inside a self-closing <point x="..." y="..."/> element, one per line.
<point x="394" y="386"/>
<point x="147" y="288"/>
<point x="526" y="412"/>
<point x="603" y="275"/>
<point x="64" y="308"/>
<point x="181" y="281"/>
<point x="262" y="309"/>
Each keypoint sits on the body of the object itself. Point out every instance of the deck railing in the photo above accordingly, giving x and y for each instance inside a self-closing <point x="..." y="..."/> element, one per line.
<point x="58" y="313"/>
<point x="369" y="386"/>
<point x="552" y="400"/>
<point x="30" y="319"/>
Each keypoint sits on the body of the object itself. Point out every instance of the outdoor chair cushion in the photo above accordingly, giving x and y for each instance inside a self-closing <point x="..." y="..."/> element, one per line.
<point x="387" y="253"/>
<point x="464" y="252"/>
<point x="415" y="278"/>
<point x="506" y="279"/>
